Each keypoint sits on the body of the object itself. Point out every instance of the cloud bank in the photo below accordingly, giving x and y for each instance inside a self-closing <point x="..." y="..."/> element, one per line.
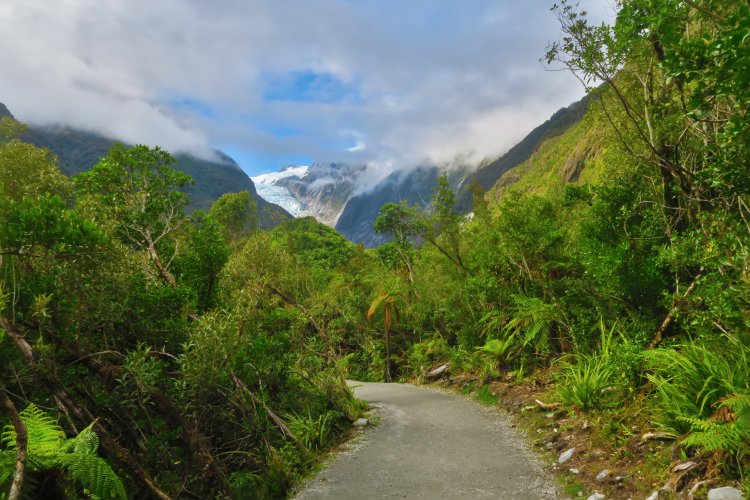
<point x="392" y="83"/>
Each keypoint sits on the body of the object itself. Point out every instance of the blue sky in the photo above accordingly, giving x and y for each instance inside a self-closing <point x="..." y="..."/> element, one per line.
<point x="391" y="83"/>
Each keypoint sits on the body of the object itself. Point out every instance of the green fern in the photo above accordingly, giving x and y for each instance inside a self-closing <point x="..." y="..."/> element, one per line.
<point x="728" y="434"/>
<point x="49" y="449"/>
<point x="533" y="322"/>
<point x="93" y="473"/>
<point x="43" y="432"/>
<point x="87" y="441"/>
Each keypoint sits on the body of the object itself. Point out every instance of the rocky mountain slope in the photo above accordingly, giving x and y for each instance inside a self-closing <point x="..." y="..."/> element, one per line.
<point x="320" y="190"/>
<point x="486" y="176"/>
<point x="78" y="150"/>
<point x="414" y="186"/>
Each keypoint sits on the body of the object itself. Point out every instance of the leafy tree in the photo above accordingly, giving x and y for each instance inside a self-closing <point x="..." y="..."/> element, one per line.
<point x="678" y="74"/>
<point x="25" y="170"/>
<point x="443" y="230"/>
<point x="440" y="226"/>
<point x="200" y="265"/>
<point x="238" y="214"/>
<point x="139" y="192"/>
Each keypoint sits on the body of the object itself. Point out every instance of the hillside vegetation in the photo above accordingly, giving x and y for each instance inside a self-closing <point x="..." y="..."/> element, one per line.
<point x="609" y="271"/>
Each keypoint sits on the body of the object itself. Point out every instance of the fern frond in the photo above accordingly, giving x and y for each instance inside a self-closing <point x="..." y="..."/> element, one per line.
<point x="738" y="402"/>
<point x="93" y="473"/>
<point x="87" y="441"/>
<point x="44" y="434"/>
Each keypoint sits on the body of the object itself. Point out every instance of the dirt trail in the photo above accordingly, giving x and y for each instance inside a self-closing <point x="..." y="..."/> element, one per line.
<point x="431" y="444"/>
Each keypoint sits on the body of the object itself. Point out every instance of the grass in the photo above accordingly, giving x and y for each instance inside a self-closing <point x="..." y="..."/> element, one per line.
<point x="584" y="384"/>
<point x="484" y="395"/>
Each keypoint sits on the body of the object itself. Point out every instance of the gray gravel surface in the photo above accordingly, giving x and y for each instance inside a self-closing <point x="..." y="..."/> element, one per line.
<point x="431" y="444"/>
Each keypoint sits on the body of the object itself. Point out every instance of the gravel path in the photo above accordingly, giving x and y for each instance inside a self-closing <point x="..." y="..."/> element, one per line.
<point x="431" y="444"/>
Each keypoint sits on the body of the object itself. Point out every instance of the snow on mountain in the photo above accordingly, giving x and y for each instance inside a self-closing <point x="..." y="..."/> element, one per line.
<point x="265" y="185"/>
<point x="320" y="190"/>
<point x="273" y="177"/>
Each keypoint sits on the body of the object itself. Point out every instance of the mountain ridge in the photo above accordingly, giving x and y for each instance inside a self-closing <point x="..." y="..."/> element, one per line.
<point x="78" y="150"/>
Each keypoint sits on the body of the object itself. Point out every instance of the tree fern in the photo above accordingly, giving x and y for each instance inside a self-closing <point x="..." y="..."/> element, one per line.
<point x="49" y="449"/>
<point x="87" y="441"/>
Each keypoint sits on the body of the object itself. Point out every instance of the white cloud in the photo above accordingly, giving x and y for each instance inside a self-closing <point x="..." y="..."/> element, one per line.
<point x="434" y="77"/>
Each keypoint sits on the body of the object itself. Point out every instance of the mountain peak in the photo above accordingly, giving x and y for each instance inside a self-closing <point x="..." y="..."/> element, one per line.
<point x="4" y="111"/>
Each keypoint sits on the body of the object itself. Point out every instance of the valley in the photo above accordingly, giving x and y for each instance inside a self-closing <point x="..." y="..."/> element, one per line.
<point x="176" y="323"/>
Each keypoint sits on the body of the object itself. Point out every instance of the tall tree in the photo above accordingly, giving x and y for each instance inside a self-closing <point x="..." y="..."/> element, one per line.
<point x="237" y="212"/>
<point x="140" y="194"/>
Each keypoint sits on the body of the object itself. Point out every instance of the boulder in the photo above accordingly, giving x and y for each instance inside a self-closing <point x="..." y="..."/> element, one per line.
<point x="725" y="493"/>
<point x="438" y="372"/>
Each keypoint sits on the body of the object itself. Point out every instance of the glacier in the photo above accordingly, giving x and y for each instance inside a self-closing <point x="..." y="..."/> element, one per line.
<point x="265" y="185"/>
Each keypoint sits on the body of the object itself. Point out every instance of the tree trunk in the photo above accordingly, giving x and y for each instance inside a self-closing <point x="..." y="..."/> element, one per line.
<point x="163" y="271"/>
<point x="387" y="313"/>
<point x="21" y="444"/>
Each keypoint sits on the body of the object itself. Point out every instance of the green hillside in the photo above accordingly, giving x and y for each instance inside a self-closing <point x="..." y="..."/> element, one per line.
<point x="577" y="156"/>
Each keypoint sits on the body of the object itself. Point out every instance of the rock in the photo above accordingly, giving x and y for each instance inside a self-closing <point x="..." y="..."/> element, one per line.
<point x="567" y="455"/>
<point x="438" y="372"/>
<point x="654" y="495"/>
<point x="596" y="496"/>
<point x="549" y="415"/>
<point x="602" y="476"/>
<point x="361" y="422"/>
<point x="725" y="493"/>
<point x="575" y="471"/>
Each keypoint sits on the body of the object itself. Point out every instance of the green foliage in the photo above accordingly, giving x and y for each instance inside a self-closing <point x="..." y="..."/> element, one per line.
<point x="636" y="216"/>
<point x="138" y="190"/>
<point x="27" y="171"/>
<point x="585" y="382"/>
<point x="315" y="433"/>
<point x="314" y="244"/>
<point x="588" y="381"/>
<point x="728" y="430"/>
<point x="77" y="457"/>
<point x="237" y="213"/>
<point x="694" y="381"/>
<point x="535" y="323"/>
<point x="200" y="265"/>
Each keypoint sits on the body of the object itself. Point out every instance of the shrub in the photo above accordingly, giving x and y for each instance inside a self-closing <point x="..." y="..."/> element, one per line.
<point x="585" y="382"/>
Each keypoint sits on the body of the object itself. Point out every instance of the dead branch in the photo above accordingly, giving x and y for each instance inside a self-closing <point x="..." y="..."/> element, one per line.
<point x="670" y="316"/>
<point x="274" y="418"/>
